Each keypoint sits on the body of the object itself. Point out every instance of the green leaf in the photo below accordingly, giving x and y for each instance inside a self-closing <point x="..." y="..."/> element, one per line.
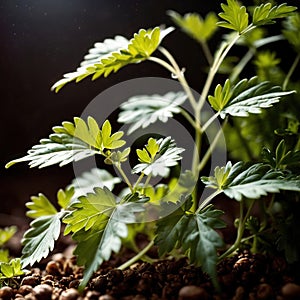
<point x="4" y="255"/>
<point x="235" y="16"/>
<point x="266" y="13"/>
<point x="194" y="233"/>
<point x="39" y="240"/>
<point x="86" y="183"/>
<point x="99" y="223"/>
<point x="157" y="157"/>
<point x="117" y="157"/>
<point x="64" y="197"/>
<point x="143" y="110"/>
<point x="72" y="142"/>
<point x="11" y="269"/>
<point x="246" y="97"/>
<point x="195" y="26"/>
<point x="292" y="31"/>
<point x="138" y="49"/>
<point x="6" y="234"/>
<point x="40" y="206"/>
<point x="250" y="181"/>
<point x="282" y="158"/>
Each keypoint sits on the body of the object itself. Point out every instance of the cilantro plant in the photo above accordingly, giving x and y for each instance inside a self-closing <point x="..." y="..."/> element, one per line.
<point x="100" y="221"/>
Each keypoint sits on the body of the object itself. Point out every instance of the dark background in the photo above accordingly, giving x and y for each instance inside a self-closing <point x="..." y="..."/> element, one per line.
<point x="40" y="41"/>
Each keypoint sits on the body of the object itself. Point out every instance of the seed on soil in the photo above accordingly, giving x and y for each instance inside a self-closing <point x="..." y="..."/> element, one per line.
<point x="69" y="294"/>
<point x="42" y="292"/>
<point x="25" y="289"/>
<point x="30" y="280"/>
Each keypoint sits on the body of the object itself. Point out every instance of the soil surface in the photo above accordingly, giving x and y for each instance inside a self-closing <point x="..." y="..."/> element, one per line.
<point x="244" y="276"/>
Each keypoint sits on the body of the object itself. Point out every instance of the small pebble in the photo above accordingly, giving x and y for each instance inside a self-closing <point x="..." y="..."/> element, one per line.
<point x="291" y="291"/>
<point x="30" y="280"/>
<point x="69" y="294"/>
<point x="106" y="297"/>
<point x="192" y="292"/>
<point x="239" y="293"/>
<point x="6" y="293"/>
<point x="264" y="292"/>
<point x="42" y="292"/>
<point x="25" y="289"/>
<point x="52" y="268"/>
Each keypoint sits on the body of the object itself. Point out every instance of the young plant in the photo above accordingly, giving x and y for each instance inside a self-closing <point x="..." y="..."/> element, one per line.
<point x="9" y="267"/>
<point x="99" y="221"/>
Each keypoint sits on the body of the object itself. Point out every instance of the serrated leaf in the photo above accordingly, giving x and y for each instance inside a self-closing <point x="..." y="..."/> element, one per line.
<point x="291" y="31"/>
<point x="194" y="233"/>
<point x="11" y="269"/>
<point x="39" y="240"/>
<point x="40" y="206"/>
<point x="251" y="181"/>
<point x="246" y="97"/>
<point x="87" y="181"/>
<point x="143" y="110"/>
<point x="138" y="49"/>
<point x="266" y="13"/>
<point x="157" y="157"/>
<point x="99" y="229"/>
<point x="6" y="234"/>
<point x="235" y="16"/>
<point x="64" y="197"/>
<point x="195" y="26"/>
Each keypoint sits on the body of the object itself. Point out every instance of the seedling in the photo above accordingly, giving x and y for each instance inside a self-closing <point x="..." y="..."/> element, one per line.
<point x="101" y="221"/>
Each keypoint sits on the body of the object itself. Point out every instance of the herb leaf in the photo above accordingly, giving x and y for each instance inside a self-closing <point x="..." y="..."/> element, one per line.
<point x="266" y="13"/>
<point x="250" y="181"/>
<point x="39" y="240"/>
<point x="235" y="16"/>
<point x="157" y="157"/>
<point x="246" y="97"/>
<point x="98" y="223"/>
<point x="11" y="269"/>
<point x="194" y="233"/>
<point x="195" y="26"/>
<point x="72" y="142"/>
<point x="139" y="48"/>
<point x="6" y="234"/>
<point x="143" y="110"/>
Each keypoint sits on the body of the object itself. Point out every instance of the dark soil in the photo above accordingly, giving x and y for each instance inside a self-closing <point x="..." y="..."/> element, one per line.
<point x="244" y="276"/>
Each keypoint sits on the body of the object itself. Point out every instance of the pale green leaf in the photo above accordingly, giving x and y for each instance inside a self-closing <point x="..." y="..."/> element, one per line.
<point x="87" y="181"/>
<point x="195" y="26"/>
<point x="39" y="240"/>
<point x="267" y="14"/>
<point x="6" y="234"/>
<point x="138" y="49"/>
<point x="40" y="206"/>
<point x="11" y="269"/>
<point x="143" y="110"/>
<point x="235" y="16"/>
<point x="4" y="255"/>
<point x="64" y="197"/>
<point x="162" y="154"/>
<point x="98" y="238"/>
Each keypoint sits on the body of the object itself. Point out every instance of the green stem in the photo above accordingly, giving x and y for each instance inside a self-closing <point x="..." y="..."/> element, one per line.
<point x="137" y="257"/>
<point x="138" y="181"/>
<point x="208" y="199"/>
<point x="291" y="71"/>
<point x="209" y="121"/>
<point x="124" y="177"/>
<point x="240" y="231"/>
<point x="220" y="56"/>
<point x="189" y="118"/>
<point x="180" y="76"/>
<point x="211" y="148"/>
<point x="207" y="52"/>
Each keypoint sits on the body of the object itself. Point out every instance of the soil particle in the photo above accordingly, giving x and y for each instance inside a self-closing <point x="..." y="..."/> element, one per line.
<point x="6" y="293"/>
<point x="264" y="292"/>
<point x="192" y="292"/>
<point x="69" y="294"/>
<point x="291" y="291"/>
<point x="42" y="292"/>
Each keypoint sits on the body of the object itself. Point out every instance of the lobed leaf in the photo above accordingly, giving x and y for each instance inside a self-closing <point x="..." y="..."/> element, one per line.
<point x="40" y="206"/>
<point x="138" y="49"/>
<point x="267" y="14"/>
<point x="250" y="181"/>
<point x="39" y="240"/>
<point x="6" y="234"/>
<point x="235" y="16"/>
<point x="157" y="157"/>
<point x="11" y="269"/>
<point x="195" y="26"/>
<point x="143" y="110"/>
<point x="246" y="97"/>
<point x="99" y="223"/>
